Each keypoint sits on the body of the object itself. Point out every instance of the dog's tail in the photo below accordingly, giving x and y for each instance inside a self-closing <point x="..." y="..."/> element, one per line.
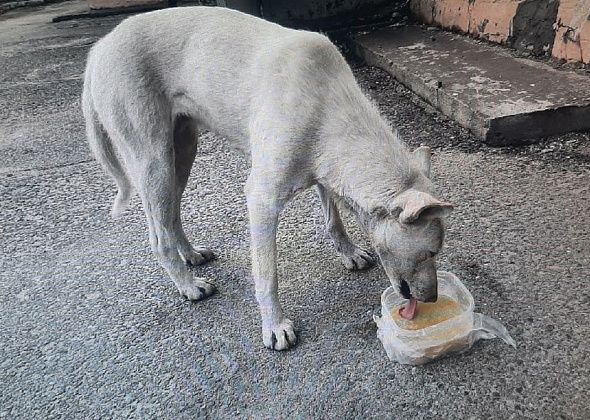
<point x="102" y="148"/>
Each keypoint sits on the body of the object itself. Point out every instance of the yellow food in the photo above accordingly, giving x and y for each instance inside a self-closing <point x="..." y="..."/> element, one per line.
<point x="428" y="314"/>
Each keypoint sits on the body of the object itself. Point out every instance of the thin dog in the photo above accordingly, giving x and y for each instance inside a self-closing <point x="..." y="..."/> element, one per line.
<point x="289" y="101"/>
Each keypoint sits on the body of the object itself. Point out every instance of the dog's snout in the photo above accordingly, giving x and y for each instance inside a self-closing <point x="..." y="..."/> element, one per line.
<point x="425" y="283"/>
<point x="432" y="297"/>
<point x="429" y="295"/>
<point x="426" y="295"/>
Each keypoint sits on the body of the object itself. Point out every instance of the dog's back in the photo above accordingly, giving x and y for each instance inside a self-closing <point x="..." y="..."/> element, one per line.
<point x="198" y="56"/>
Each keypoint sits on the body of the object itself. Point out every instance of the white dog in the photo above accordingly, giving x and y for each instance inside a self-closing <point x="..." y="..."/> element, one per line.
<point x="288" y="100"/>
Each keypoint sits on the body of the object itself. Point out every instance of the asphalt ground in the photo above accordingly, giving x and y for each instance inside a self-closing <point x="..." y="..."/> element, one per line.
<point x="91" y="327"/>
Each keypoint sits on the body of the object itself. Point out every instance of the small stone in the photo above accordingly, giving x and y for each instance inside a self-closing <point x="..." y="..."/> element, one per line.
<point x="93" y="296"/>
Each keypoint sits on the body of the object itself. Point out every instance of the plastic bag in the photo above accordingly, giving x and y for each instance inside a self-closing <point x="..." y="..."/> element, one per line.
<point x="455" y="335"/>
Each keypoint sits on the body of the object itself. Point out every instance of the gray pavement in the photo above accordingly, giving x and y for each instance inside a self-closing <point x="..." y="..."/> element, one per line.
<point x="90" y="326"/>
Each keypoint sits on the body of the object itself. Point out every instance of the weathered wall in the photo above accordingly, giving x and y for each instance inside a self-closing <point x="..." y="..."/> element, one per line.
<point x="561" y="28"/>
<point x="486" y="18"/>
<point x="572" y="39"/>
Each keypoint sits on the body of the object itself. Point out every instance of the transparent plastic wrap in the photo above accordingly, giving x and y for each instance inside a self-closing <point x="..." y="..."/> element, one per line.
<point x="454" y="335"/>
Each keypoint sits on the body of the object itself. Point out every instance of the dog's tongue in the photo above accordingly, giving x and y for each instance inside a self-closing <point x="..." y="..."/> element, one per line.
<point x="409" y="311"/>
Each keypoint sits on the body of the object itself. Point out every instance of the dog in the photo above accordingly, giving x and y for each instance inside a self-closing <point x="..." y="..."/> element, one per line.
<point x="288" y="100"/>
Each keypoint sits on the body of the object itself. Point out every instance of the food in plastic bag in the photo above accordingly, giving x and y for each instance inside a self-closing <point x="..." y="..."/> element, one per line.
<point x="427" y="314"/>
<point x="437" y="329"/>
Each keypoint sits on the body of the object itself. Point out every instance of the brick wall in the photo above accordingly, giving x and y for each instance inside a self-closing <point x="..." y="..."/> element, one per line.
<point x="560" y="28"/>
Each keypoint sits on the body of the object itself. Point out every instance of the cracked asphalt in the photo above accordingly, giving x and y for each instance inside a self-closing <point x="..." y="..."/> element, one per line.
<point x="91" y="327"/>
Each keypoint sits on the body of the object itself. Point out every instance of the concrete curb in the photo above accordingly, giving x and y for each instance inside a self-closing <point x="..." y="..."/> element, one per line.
<point x="98" y="13"/>
<point x="502" y="99"/>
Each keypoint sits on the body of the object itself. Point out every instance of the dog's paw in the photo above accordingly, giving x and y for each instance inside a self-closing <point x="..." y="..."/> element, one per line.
<point x="279" y="336"/>
<point x="357" y="259"/>
<point x="199" y="289"/>
<point x="196" y="256"/>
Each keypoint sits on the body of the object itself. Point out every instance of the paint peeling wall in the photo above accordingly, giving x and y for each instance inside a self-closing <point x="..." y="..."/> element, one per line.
<point x="560" y="28"/>
<point x="572" y="39"/>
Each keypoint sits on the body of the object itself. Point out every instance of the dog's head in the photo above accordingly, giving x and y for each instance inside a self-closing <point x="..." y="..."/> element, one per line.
<point x="409" y="234"/>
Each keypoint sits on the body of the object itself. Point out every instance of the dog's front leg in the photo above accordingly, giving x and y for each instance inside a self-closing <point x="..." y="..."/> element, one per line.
<point x="264" y="207"/>
<point x="353" y="257"/>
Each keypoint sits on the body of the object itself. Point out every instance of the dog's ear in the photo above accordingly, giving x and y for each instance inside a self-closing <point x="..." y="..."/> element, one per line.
<point x="422" y="158"/>
<point x="416" y="205"/>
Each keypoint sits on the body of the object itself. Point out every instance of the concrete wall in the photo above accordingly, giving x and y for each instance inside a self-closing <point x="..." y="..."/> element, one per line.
<point x="560" y="28"/>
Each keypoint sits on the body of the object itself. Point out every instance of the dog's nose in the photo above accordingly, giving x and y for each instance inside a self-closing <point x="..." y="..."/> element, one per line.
<point x="431" y="297"/>
<point x="405" y="289"/>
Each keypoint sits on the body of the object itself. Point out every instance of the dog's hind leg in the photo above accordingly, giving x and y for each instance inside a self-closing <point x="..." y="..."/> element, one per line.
<point x="185" y="149"/>
<point x="353" y="257"/>
<point x="150" y="152"/>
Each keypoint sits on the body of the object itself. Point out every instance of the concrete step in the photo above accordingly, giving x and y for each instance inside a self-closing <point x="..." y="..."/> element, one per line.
<point x="501" y="98"/>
